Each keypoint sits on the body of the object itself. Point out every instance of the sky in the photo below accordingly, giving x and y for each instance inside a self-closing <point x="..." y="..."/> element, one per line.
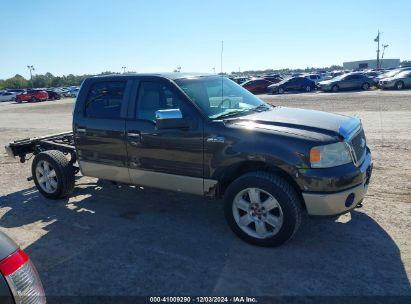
<point x="91" y="36"/>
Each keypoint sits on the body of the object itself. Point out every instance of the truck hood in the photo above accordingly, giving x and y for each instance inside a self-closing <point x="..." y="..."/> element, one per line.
<point x="304" y="120"/>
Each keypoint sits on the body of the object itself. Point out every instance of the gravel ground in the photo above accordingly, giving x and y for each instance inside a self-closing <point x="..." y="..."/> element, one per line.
<point x="120" y="240"/>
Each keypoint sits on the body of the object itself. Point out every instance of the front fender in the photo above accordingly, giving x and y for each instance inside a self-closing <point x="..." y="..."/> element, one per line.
<point x="282" y="152"/>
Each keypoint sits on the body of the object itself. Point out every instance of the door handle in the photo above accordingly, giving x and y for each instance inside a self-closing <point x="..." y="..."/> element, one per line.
<point x="81" y="130"/>
<point x="134" y="138"/>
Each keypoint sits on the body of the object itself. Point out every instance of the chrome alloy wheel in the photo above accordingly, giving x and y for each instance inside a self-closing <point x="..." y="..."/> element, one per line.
<point x="257" y="213"/>
<point x="46" y="176"/>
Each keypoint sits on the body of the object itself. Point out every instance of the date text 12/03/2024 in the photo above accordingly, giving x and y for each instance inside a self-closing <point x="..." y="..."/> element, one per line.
<point x="203" y="299"/>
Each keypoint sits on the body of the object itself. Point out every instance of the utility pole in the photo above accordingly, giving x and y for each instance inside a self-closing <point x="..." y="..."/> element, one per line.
<point x="378" y="48"/>
<point x="221" y="58"/>
<point x="124" y="69"/>
<point x="31" y="69"/>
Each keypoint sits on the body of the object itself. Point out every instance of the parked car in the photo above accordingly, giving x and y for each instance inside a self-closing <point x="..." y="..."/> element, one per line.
<point x="74" y="92"/>
<point x="400" y="81"/>
<point x="314" y="77"/>
<point x="7" y="96"/>
<point x="256" y="85"/>
<point x="19" y="280"/>
<point x="53" y="95"/>
<point x="17" y="91"/>
<point x="239" y="80"/>
<point x="64" y="92"/>
<point x="276" y="78"/>
<point x="292" y="84"/>
<point x="350" y="81"/>
<point x="392" y="73"/>
<point x="269" y="164"/>
<point x="333" y="74"/>
<point x="33" y="95"/>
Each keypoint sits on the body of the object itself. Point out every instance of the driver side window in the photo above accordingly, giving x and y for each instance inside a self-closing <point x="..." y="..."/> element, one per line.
<point x="153" y="96"/>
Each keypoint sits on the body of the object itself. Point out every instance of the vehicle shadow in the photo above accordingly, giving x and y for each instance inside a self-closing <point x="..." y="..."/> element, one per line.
<point x="123" y="240"/>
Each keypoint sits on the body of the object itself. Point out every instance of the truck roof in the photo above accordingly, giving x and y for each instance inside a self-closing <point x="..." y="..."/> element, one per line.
<point x="172" y="76"/>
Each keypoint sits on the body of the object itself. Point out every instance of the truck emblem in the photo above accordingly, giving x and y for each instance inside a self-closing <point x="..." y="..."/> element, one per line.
<point x="362" y="143"/>
<point x="216" y="139"/>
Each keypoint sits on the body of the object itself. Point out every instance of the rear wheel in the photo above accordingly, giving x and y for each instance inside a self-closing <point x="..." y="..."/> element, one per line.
<point x="308" y="88"/>
<point x="280" y="90"/>
<point x="399" y="85"/>
<point x="53" y="174"/>
<point x="263" y="209"/>
<point x="335" y="88"/>
<point x="365" y="86"/>
<point x="33" y="99"/>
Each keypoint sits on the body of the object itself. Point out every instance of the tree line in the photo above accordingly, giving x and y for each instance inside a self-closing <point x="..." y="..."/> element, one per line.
<point x="49" y="80"/>
<point x="45" y="81"/>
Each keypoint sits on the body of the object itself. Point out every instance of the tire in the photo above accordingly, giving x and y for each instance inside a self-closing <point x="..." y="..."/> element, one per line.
<point x="335" y="88"/>
<point x="286" y="213"/>
<point x="60" y="177"/>
<point x="399" y="85"/>
<point x="365" y="86"/>
<point x="33" y="99"/>
<point x="280" y="91"/>
<point x="308" y="88"/>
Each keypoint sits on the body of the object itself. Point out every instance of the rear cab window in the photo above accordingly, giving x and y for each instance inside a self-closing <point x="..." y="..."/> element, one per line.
<point x="104" y="99"/>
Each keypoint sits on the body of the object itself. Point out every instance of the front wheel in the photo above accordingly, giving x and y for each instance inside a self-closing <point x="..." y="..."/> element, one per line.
<point x="335" y="88"/>
<point x="263" y="209"/>
<point x="399" y="85"/>
<point x="365" y="86"/>
<point x="308" y="88"/>
<point x="53" y="174"/>
<point x="280" y="90"/>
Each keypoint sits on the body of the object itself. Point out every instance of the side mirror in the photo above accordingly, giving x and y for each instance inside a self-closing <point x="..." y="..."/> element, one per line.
<point x="170" y="119"/>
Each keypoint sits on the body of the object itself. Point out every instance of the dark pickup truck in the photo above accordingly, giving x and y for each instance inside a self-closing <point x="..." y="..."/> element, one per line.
<point x="206" y="135"/>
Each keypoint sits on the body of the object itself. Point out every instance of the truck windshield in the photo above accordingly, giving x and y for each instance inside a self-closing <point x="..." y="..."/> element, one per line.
<point x="220" y="97"/>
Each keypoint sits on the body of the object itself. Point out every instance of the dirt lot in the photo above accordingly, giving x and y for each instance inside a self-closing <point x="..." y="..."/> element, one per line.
<point x="129" y="241"/>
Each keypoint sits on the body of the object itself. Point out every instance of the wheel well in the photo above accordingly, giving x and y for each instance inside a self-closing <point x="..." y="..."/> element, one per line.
<point x="235" y="171"/>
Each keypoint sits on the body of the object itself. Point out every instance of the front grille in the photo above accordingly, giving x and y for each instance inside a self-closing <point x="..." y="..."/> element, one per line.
<point x="358" y="144"/>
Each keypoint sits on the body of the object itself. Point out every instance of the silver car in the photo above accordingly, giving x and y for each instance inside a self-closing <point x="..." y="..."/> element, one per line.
<point x="400" y="81"/>
<point x="19" y="280"/>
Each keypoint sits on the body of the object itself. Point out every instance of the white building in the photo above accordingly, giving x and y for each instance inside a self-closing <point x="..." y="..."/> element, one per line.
<point x="371" y="64"/>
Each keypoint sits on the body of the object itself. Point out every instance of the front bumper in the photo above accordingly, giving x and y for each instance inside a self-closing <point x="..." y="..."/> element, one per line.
<point x="324" y="88"/>
<point x="335" y="203"/>
<point x="386" y="85"/>
<point x="9" y="151"/>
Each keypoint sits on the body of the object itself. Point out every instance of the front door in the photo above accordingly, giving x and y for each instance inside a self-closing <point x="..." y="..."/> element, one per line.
<point x="169" y="159"/>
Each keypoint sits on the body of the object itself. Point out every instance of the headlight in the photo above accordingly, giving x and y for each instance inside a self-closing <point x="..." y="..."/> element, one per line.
<point x="330" y="155"/>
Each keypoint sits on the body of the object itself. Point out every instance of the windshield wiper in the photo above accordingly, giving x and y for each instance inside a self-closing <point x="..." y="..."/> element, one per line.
<point x="231" y="113"/>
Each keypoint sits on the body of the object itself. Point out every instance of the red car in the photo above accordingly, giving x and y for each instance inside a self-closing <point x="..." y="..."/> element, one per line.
<point x="33" y="95"/>
<point x="257" y="85"/>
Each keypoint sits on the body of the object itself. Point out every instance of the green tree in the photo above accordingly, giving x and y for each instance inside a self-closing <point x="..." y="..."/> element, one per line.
<point x="16" y="82"/>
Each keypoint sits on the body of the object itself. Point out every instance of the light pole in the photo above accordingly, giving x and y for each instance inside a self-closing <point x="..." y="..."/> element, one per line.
<point x="384" y="46"/>
<point x="31" y="69"/>
<point x="124" y="69"/>
<point x="378" y="49"/>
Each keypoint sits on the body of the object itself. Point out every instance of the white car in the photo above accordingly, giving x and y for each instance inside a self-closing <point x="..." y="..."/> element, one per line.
<point x="314" y="77"/>
<point x="74" y="93"/>
<point x="7" y="96"/>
